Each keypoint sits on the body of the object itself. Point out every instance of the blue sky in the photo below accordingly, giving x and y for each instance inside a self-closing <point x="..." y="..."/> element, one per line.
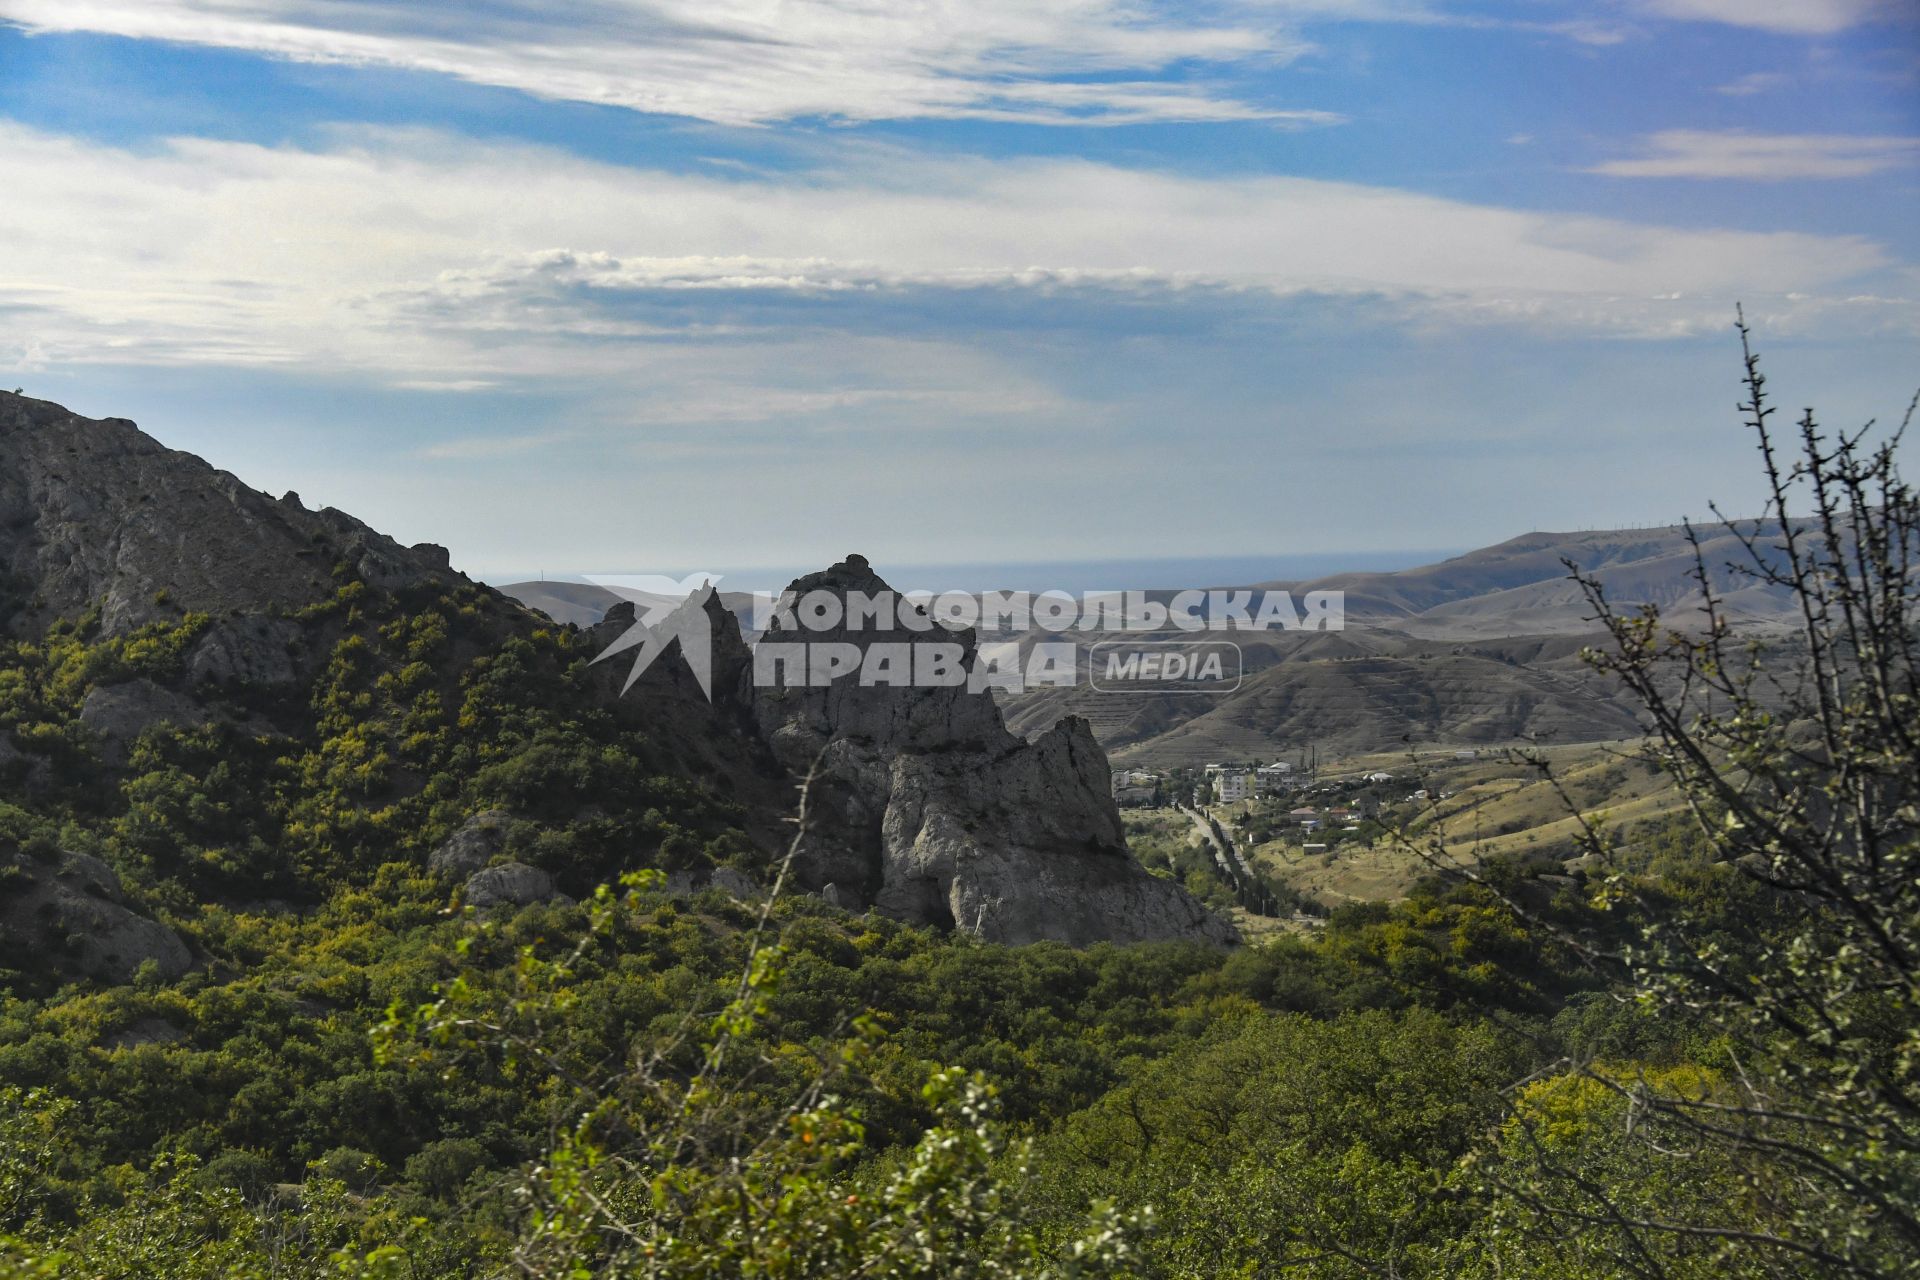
<point x="624" y="285"/>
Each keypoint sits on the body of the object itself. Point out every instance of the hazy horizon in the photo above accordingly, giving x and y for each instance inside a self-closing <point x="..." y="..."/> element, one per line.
<point x="1075" y="576"/>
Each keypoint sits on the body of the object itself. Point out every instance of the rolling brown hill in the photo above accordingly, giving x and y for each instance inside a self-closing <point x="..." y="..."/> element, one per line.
<point x="1480" y="649"/>
<point x="1522" y="585"/>
<point x="1349" y="705"/>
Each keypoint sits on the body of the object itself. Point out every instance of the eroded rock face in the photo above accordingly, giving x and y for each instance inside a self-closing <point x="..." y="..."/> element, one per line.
<point x="71" y="916"/>
<point x="118" y="714"/>
<point x="1027" y="846"/>
<point x="247" y="650"/>
<point x="512" y="884"/>
<point x="925" y="807"/>
<point x="797" y="719"/>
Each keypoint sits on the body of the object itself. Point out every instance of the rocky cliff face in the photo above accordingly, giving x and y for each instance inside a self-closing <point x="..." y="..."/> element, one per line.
<point x="96" y="513"/>
<point x="925" y="807"/>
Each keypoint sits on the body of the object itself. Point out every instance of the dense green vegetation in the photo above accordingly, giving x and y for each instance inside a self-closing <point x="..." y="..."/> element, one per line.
<point x="377" y="1076"/>
<point x="265" y="1111"/>
<point x="264" y="1088"/>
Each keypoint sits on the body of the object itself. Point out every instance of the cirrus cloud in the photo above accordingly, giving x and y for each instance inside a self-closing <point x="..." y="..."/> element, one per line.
<point x="1788" y="17"/>
<point x="738" y="62"/>
<point x="1765" y="157"/>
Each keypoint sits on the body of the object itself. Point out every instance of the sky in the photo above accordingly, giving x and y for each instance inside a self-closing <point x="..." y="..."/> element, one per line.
<point x="611" y="286"/>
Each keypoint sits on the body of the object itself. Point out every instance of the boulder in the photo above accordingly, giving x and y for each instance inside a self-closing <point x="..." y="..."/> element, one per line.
<point x="736" y="883"/>
<point x="511" y="884"/>
<point x="729" y="880"/>
<point x="479" y="841"/>
<point x="72" y="915"/>
<point x="845" y="899"/>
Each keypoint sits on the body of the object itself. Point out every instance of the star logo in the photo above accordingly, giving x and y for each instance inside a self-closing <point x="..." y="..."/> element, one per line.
<point x="665" y="610"/>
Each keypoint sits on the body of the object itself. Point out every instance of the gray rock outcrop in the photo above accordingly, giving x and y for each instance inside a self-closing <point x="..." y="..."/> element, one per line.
<point x="732" y="880"/>
<point x="923" y="806"/>
<point x="95" y="513"/>
<point x="247" y="650"/>
<point x="144" y="1031"/>
<point x="1027" y="846"/>
<point x="729" y="880"/>
<point x="512" y="884"/>
<point x="118" y="714"/>
<point x="72" y="916"/>
<point x="479" y="840"/>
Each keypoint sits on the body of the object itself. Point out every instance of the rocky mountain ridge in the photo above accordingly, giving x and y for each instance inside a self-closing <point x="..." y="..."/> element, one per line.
<point x="97" y="514"/>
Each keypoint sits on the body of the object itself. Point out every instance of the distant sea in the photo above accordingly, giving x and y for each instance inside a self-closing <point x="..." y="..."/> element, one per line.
<point x="1074" y="576"/>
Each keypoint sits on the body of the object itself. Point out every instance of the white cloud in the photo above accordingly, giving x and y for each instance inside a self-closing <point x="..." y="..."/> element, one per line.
<point x="1755" y="82"/>
<point x="420" y="259"/>
<point x="1789" y="17"/>
<point x="445" y="384"/>
<point x="470" y="448"/>
<point x="1599" y="35"/>
<point x="1691" y="153"/>
<point x="746" y="61"/>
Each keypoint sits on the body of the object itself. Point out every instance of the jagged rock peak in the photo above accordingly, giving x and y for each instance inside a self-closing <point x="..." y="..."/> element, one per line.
<point x="923" y="806"/>
<point x="851" y="574"/>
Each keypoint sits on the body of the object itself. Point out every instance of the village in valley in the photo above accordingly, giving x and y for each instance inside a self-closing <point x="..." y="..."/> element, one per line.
<point x="1283" y="843"/>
